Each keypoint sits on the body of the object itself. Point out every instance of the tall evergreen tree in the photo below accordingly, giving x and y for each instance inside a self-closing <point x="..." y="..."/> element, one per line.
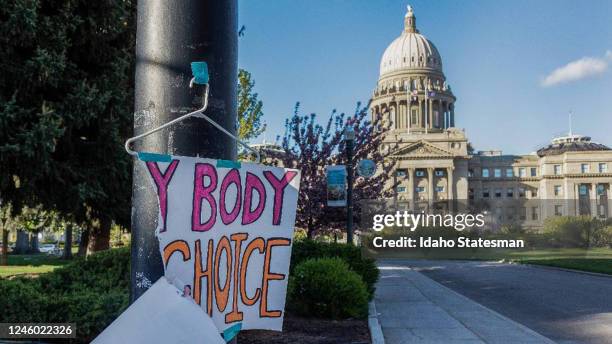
<point x="66" y="99"/>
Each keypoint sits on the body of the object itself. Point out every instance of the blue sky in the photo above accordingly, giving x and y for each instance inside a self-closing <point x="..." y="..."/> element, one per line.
<point x="499" y="57"/>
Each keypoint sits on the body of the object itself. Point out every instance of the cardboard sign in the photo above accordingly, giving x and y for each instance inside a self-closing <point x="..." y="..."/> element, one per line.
<point x="161" y="315"/>
<point x="336" y="185"/>
<point x="225" y="231"/>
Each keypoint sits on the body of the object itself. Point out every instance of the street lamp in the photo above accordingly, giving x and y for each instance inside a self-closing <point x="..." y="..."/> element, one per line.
<point x="349" y="138"/>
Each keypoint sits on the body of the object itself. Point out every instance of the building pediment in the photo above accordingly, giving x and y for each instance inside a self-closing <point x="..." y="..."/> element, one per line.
<point x="420" y="150"/>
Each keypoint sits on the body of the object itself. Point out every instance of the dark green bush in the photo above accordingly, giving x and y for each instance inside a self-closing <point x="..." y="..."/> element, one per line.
<point x="365" y="267"/>
<point x="327" y="288"/>
<point x="89" y="292"/>
<point x="576" y="231"/>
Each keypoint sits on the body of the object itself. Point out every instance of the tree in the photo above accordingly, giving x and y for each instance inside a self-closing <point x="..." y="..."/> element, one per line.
<point x="6" y="220"/>
<point x="249" y="108"/>
<point x="310" y="147"/>
<point x="66" y="99"/>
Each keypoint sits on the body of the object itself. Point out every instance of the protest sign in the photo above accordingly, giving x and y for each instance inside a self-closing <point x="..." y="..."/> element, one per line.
<point x="336" y="185"/>
<point x="161" y="315"/>
<point x="225" y="231"/>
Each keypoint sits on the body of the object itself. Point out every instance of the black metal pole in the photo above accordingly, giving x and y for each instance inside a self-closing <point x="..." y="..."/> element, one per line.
<point x="349" y="191"/>
<point x="169" y="36"/>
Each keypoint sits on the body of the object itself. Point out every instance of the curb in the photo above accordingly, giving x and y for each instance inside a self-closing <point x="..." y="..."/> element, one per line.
<point x="526" y="329"/>
<point x="376" y="334"/>
<point x="548" y="267"/>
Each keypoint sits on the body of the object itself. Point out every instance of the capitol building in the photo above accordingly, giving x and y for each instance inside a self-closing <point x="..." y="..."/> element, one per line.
<point x="436" y="169"/>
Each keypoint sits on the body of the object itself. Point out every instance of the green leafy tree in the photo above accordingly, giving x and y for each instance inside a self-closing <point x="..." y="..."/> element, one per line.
<point x="66" y="98"/>
<point x="6" y="222"/>
<point x="249" y="108"/>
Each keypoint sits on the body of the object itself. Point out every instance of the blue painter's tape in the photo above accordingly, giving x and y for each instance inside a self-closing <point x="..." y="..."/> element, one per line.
<point x="154" y="157"/>
<point x="231" y="332"/>
<point x="228" y="164"/>
<point x="200" y="72"/>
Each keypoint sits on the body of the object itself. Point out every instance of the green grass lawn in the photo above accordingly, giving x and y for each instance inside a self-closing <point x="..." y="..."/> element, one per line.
<point x="31" y="264"/>
<point x="600" y="265"/>
<point x="593" y="260"/>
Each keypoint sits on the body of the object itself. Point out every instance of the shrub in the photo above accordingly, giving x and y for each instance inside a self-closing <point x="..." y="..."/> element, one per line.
<point x="365" y="267"/>
<point x="326" y="287"/>
<point x="573" y="231"/>
<point x="90" y="292"/>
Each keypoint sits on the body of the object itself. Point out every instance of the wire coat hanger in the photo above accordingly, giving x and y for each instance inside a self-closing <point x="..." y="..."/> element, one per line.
<point x="200" y="76"/>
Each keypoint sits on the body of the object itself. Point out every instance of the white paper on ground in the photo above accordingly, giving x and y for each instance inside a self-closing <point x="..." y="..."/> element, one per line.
<point x="162" y="315"/>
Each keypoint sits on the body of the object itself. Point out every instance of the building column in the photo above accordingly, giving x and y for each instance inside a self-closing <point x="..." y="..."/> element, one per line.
<point x="420" y="113"/>
<point x="449" y="192"/>
<point x="452" y="117"/>
<point x="430" y="186"/>
<point x="593" y="197"/>
<point x="412" y="186"/>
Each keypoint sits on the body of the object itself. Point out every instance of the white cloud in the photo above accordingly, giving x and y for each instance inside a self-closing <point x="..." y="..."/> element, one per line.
<point x="579" y="69"/>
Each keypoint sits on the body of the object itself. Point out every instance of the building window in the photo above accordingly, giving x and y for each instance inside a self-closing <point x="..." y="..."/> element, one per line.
<point x="400" y="173"/>
<point x="420" y="189"/>
<point x="485" y="193"/>
<point x="498" y="193"/>
<point x="509" y="173"/>
<point x="523" y="214"/>
<point x="557" y="189"/>
<point x="603" y="167"/>
<point x="534" y="213"/>
<point x="583" y="190"/>
<point x="470" y="173"/>
<point x="511" y="213"/>
<point x="558" y="210"/>
<point x="601" y="189"/>
<point x="414" y="116"/>
<point x="500" y="214"/>
<point x="485" y="173"/>
<point x="584" y="168"/>
<point x="439" y="188"/>
<point x="439" y="173"/>
<point x="557" y="169"/>
<point x="534" y="172"/>
<point x="510" y="193"/>
<point x="401" y="189"/>
<point x="497" y="173"/>
<point x="521" y="192"/>
<point x="420" y="173"/>
<point x="522" y="172"/>
<point x="471" y="193"/>
<point x="534" y="193"/>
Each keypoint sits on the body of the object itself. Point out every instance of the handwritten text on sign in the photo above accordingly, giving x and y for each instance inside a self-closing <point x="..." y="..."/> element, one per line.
<point x="225" y="234"/>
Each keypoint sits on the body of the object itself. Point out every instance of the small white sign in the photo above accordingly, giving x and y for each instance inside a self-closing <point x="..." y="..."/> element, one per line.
<point x="161" y="315"/>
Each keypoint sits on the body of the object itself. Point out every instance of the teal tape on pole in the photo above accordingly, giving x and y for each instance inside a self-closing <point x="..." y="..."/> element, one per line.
<point x="228" y="164"/>
<point x="231" y="332"/>
<point x="200" y="72"/>
<point x="154" y="157"/>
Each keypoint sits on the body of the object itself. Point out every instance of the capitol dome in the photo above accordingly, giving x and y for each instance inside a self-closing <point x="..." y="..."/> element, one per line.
<point x="410" y="50"/>
<point x="571" y="143"/>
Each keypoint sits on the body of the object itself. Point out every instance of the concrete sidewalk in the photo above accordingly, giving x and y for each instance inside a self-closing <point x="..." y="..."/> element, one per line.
<point x="415" y="309"/>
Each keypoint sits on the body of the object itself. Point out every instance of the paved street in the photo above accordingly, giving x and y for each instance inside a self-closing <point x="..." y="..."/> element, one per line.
<point x="566" y="307"/>
<point x="412" y="308"/>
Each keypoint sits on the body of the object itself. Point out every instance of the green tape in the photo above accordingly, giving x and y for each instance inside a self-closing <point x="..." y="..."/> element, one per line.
<point x="154" y="157"/>
<point x="231" y="332"/>
<point x="200" y="72"/>
<point x="228" y="164"/>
